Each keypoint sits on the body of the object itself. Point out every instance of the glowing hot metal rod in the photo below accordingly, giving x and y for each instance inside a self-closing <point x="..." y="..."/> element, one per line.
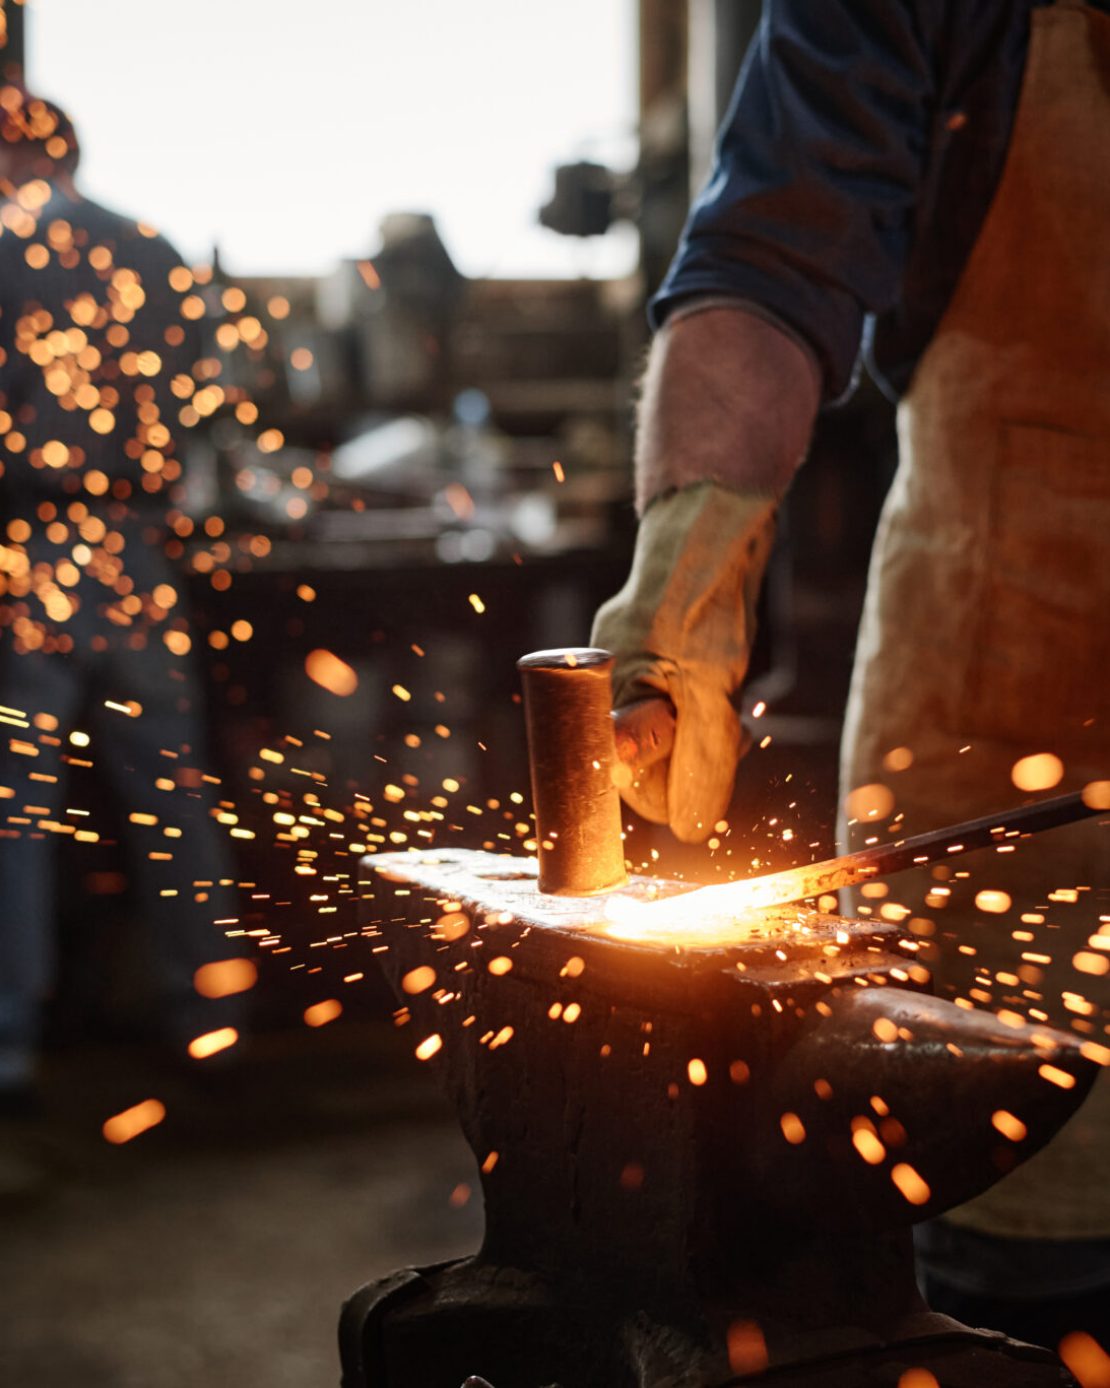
<point x="732" y="899"/>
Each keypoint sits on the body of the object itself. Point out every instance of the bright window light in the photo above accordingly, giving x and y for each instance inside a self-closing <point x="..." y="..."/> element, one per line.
<point x="284" y="131"/>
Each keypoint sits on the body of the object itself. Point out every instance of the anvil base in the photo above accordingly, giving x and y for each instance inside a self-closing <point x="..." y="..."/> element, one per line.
<point x="431" y="1327"/>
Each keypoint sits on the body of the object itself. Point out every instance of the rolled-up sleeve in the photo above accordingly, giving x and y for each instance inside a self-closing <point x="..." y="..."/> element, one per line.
<point x="809" y="206"/>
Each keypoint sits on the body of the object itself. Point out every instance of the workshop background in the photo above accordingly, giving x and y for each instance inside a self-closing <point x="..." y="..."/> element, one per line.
<point x="422" y="239"/>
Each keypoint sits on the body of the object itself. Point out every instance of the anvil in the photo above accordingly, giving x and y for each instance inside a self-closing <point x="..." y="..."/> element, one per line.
<point x="700" y="1165"/>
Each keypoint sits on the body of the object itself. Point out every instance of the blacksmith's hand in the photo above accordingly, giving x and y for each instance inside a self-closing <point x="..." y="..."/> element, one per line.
<point x="682" y="628"/>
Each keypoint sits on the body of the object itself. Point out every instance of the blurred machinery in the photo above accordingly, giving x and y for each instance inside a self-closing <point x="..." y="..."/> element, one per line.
<point x="395" y="383"/>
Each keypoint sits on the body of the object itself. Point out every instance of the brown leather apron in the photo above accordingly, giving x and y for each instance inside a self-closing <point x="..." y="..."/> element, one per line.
<point x="986" y="632"/>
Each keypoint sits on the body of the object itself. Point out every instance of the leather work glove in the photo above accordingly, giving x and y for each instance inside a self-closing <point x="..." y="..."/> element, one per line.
<point x="682" y="627"/>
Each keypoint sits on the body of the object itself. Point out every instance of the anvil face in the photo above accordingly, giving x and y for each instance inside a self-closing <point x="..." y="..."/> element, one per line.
<point x="743" y="1130"/>
<point x="772" y="954"/>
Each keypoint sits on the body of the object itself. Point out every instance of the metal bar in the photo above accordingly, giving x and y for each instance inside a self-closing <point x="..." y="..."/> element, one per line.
<point x="796" y="884"/>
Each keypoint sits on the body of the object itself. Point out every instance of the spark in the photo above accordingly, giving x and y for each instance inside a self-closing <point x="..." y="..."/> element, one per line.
<point x="418" y="980"/>
<point x="225" y="977"/>
<point x="321" y="1013"/>
<point x="122" y="1127"/>
<point x="910" y="1184"/>
<point x="867" y="1144"/>
<point x="1009" y="1126"/>
<point x="1086" y="1359"/>
<point x="1040" y="771"/>
<point x="331" y="673"/>
<point x="212" y="1042"/>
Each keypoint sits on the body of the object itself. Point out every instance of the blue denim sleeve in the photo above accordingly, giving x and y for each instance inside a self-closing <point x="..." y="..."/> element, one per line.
<point x="819" y="162"/>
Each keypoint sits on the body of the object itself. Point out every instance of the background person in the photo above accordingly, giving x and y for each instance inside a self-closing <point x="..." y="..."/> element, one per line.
<point x="92" y="343"/>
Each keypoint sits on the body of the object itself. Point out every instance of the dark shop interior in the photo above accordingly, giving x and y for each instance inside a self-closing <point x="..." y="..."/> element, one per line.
<point x="554" y="718"/>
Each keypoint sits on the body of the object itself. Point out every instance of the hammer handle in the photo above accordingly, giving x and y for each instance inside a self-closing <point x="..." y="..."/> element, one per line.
<point x="644" y="733"/>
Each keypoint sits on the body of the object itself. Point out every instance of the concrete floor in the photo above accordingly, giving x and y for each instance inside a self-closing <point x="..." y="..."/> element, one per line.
<point x="216" y="1249"/>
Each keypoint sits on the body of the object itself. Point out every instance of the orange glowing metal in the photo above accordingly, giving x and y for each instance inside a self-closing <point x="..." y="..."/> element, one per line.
<point x="715" y="915"/>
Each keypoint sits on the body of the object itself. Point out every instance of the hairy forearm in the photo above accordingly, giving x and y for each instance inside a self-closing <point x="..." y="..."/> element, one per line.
<point x="728" y="397"/>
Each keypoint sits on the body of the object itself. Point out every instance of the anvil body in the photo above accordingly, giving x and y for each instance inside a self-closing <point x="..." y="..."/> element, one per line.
<point x="675" y="1193"/>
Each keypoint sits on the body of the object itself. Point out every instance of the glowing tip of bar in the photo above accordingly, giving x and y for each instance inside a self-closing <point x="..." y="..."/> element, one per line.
<point x="723" y="914"/>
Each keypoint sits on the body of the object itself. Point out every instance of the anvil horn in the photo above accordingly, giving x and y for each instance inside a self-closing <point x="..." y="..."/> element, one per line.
<point x="957" y="1096"/>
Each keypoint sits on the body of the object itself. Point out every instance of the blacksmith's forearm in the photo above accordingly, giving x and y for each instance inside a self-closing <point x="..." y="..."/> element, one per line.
<point x="728" y="397"/>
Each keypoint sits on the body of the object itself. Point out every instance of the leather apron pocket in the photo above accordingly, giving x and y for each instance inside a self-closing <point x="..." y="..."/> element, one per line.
<point x="1040" y="661"/>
